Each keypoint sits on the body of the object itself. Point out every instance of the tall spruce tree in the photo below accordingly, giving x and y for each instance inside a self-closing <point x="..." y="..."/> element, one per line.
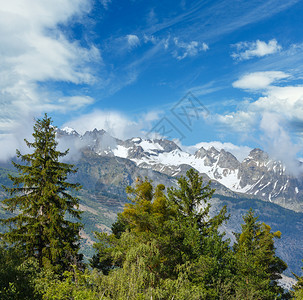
<point x="297" y="292"/>
<point x="258" y="266"/>
<point x="41" y="199"/>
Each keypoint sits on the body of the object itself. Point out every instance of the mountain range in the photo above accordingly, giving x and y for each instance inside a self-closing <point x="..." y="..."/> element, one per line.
<point x="257" y="176"/>
<point x="107" y="165"/>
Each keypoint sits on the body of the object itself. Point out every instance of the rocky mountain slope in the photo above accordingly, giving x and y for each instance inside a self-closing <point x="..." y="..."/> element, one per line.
<point x="107" y="165"/>
<point x="256" y="176"/>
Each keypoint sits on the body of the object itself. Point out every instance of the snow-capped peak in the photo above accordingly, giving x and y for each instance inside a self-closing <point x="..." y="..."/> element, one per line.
<point x="69" y="130"/>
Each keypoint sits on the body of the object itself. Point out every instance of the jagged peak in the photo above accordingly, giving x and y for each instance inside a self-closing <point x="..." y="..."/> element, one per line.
<point x="167" y="145"/>
<point x="258" y="154"/>
<point x="102" y="131"/>
<point x="227" y="160"/>
<point x="200" y="153"/>
<point x="213" y="151"/>
<point x="227" y="154"/>
<point x="95" y="132"/>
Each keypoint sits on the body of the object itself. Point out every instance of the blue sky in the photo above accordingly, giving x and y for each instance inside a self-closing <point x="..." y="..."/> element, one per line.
<point x="125" y="65"/>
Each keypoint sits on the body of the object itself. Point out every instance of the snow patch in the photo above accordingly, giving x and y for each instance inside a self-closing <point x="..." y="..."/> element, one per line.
<point x="150" y="146"/>
<point x="121" y="151"/>
<point x="68" y="130"/>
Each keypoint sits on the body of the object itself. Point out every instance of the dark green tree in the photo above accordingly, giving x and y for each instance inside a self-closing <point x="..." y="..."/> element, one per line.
<point x="40" y="198"/>
<point x="16" y="276"/>
<point x="202" y="242"/>
<point x="258" y="267"/>
<point x="192" y="202"/>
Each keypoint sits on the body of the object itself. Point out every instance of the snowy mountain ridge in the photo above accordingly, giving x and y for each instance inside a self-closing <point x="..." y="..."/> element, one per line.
<point x="257" y="175"/>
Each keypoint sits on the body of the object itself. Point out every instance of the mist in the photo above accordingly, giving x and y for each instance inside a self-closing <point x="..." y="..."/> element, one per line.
<point x="277" y="142"/>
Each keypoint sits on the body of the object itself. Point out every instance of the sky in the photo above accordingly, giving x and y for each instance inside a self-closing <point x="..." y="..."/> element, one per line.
<point x="223" y="72"/>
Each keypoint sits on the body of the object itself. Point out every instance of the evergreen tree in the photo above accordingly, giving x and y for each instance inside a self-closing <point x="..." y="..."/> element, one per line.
<point x="42" y="201"/>
<point x="202" y="242"/>
<point x="297" y="292"/>
<point x="16" y="276"/>
<point x="166" y="247"/>
<point x="258" y="267"/>
<point x="192" y="202"/>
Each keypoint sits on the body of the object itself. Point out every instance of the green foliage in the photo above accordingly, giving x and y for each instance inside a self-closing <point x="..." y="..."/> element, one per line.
<point x="16" y="275"/>
<point x="4" y="176"/>
<point x="75" y="284"/>
<point x="42" y="200"/>
<point x="166" y="246"/>
<point x="258" y="267"/>
<point x="190" y="196"/>
<point x="297" y="292"/>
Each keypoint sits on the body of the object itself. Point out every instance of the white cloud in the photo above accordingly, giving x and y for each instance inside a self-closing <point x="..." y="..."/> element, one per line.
<point x="152" y="116"/>
<point x="163" y="42"/>
<point x="258" y="48"/>
<point x="115" y="123"/>
<point x="34" y="50"/>
<point x="45" y="53"/>
<point x="133" y="40"/>
<point x="188" y="49"/>
<point x="239" y="121"/>
<point x="285" y="101"/>
<point x="206" y="88"/>
<point x="259" y="80"/>
<point x="273" y="113"/>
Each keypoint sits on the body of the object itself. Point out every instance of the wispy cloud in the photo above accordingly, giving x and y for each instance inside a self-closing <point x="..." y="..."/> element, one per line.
<point x="150" y="38"/>
<point x="105" y="3"/>
<point x="188" y="49"/>
<point x="248" y="50"/>
<point x="209" y="23"/>
<point x="179" y="49"/>
<point x="207" y="88"/>
<point x="132" y="40"/>
<point x="259" y="80"/>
